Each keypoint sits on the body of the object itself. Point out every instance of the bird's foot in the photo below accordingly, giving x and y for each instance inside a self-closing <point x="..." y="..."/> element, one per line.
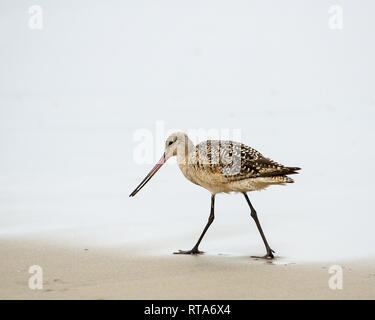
<point x="192" y="251"/>
<point x="268" y="256"/>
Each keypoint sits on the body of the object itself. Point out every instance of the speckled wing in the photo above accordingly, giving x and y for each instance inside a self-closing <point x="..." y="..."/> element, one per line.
<point x="233" y="161"/>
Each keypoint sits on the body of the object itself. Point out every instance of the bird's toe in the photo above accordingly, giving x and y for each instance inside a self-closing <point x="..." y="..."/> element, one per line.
<point x="268" y="256"/>
<point x="193" y="251"/>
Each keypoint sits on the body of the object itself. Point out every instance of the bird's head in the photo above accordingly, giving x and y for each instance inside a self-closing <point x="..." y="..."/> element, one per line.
<point x="177" y="144"/>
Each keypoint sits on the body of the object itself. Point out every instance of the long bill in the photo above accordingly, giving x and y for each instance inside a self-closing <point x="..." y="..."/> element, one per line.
<point x="155" y="169"/>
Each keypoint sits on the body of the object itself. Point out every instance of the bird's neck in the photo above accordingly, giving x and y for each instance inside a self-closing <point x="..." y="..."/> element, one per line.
<point x="184" y="152"/>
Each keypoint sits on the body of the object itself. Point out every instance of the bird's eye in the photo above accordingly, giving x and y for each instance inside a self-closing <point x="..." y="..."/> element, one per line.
<point x="170" y="142"/>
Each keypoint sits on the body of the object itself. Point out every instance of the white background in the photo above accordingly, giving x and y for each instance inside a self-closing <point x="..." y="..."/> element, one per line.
<point x="73" y="94"/>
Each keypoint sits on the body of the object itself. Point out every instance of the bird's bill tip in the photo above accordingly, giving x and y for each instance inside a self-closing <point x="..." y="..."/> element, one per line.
<point x="155" y="169"/>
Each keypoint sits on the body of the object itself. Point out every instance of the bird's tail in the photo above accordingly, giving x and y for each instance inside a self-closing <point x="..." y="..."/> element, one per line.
<point x="292" y="170"/>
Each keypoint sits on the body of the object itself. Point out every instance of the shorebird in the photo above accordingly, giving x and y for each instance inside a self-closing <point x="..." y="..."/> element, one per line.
<point x="222" y="166"/>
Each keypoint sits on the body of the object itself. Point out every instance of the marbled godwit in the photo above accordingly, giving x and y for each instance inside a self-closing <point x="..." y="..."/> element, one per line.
<point x="222" y="166"/>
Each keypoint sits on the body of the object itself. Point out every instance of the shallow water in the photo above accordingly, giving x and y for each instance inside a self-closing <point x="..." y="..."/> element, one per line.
<point x="81" y="189"/>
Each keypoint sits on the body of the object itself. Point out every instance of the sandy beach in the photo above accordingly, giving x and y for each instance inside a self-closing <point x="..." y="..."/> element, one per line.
<point x="122" y="273"/>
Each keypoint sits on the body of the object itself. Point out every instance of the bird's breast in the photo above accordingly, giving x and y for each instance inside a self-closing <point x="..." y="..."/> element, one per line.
<point x="202" y="178"/>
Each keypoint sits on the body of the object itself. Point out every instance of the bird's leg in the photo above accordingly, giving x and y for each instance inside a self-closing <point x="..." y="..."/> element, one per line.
<point x="210" y="220"/>
<point x="254" y="215"/>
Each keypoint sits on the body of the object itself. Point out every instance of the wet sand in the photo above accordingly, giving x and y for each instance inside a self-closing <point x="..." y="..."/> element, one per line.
<point x="73" y="272"/>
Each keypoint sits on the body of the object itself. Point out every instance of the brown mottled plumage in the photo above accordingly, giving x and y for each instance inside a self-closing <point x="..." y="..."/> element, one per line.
<point x="227" y="166"/>
<point x="223" y="166"/>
